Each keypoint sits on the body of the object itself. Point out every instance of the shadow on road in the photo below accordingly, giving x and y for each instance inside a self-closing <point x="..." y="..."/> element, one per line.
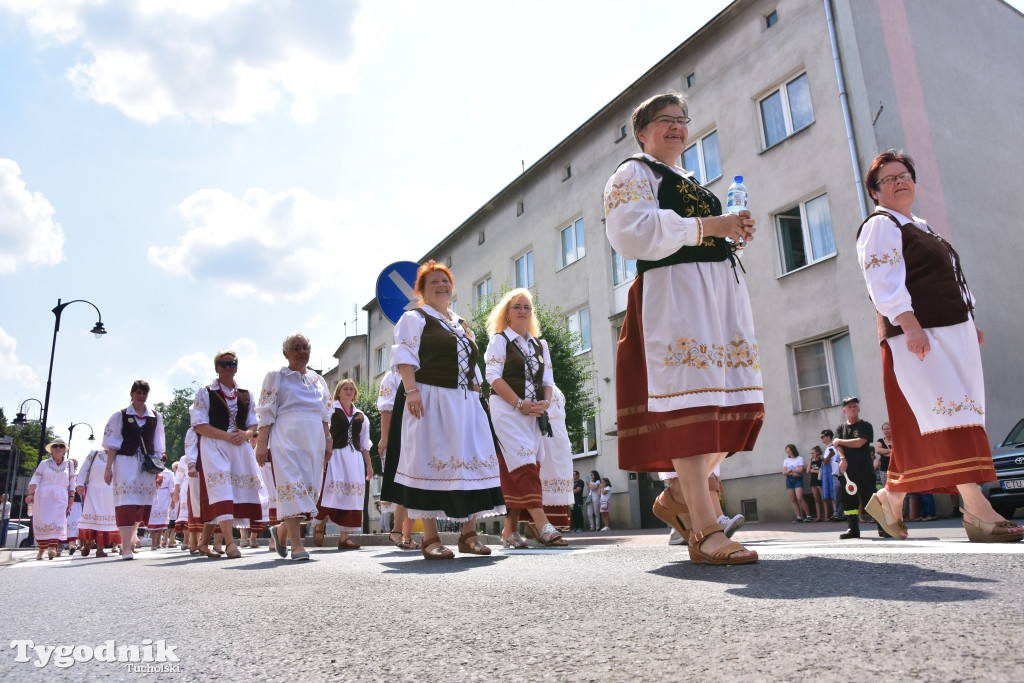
<point x="805" y="578"/>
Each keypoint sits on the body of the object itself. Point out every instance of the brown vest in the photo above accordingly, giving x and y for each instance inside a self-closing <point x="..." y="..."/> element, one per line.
<point x="938" y="290"/>
<point x="220" y="414"/>
<point x="439" y="355"/>
<point x="514" y="371"/>
<point x="339" y="428"/>
<point x="133" y="438"/>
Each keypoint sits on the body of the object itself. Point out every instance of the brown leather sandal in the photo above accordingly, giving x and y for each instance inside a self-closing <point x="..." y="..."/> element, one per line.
<point x="438" y="552"/>
<point x="990" y="532"/>
<point x="672" y="512"/>
<point x="233" y="554"/>
<point x="348" y="544"/>
<point x="722" y="556"/>
<point x="470" y="543"/>
<point x="318" y="534"/>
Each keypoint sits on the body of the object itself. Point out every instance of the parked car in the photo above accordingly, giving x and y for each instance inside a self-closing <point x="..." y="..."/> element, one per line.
<point x="13" y="538"/>
<point x="1007" y="494"/>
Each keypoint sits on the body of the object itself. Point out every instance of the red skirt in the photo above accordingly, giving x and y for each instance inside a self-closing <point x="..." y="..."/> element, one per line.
<point x="934" y="462"/>
<point x="130" y="515"/>
<point x="102" y="538"/>
<point x="558" y="516"/>
<point x="649" y="441"/>
<point x="521" y="487"/>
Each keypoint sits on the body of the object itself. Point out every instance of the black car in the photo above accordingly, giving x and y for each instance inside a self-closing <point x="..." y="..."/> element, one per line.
<point x="1007" y="494"/>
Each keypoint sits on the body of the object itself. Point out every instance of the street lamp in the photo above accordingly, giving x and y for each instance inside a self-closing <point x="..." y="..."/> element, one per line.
<point x="71" y="433"/>
<point x="20" y="421"/>
<point x="97" y="330"/>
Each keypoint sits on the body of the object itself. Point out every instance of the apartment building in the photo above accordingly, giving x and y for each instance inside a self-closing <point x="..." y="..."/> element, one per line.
<point x="797" y="96"/>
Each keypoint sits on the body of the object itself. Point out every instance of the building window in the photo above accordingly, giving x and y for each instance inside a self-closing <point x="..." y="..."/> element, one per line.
<point x="568" y="172"/>
<point x="623" y="132"/>
<point x="454" y="305"/>
<point x="771" y="18"/>
<point x="703" y="159"/>
<point x="481" y="238"/>
<point x="381" y="359"/>
<point x="805" y="234"/>
<point x="691" y="79"/>
<point x="623" y="270"/>
<point x="572" y="242"/>
<point x="483" y="290"/>
<point x="524" y="270"/>
<point x="520" y="207"/>
<point x="588" y="445"/>
<point x="786" y="111"/>
<point x="356" y="375"/>
<point x="579" y="323"/>
<point x="824" y="372"/>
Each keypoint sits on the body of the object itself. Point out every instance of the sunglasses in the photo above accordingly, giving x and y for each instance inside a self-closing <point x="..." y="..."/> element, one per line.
<point x="227" y="364"/>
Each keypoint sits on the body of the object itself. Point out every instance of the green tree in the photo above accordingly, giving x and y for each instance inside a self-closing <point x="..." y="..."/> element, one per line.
<point x="573" y="372"/>
<point x="27" y="441"/>
<point x="367" y="402"/>
<point x="177" y="421"/>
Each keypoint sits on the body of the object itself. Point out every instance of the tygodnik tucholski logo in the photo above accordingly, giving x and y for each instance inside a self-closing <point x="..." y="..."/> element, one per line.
<point x="151" y="656"/>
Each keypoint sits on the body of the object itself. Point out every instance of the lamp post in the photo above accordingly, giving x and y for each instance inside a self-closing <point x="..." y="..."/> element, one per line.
<point x="71" y="433"/>
<point x="19" y="423"/>
<point x="97" y="330"/>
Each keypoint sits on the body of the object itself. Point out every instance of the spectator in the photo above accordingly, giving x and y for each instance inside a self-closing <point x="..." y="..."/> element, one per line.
<point x="5" y="518"/>
<point x="594" y="501"/>
<point x="606" y="496"/>
<point x="814" y="468"/>
<point x="793" y="469"/>
<point x="832" y="489"/>
<point x="577" y="508"/>
<point x="882" y="449"/>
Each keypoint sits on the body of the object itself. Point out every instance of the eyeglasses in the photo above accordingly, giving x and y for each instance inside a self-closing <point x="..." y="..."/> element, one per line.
<point x="58" y="445"/>
<point x="517" y="307"/>
<point x="227" y="364"/>
<point x="302" y="347"/>
<point x="890" y="179"/>
<point x="668" y="120"/>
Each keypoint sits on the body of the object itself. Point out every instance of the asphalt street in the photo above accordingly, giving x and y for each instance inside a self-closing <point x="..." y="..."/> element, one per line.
<point x="617" y="606"/>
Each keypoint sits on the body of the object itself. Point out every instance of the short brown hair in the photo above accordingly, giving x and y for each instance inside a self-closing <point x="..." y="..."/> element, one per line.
<point x="427" y="268"/>
<point x="140" y="384"/>
<point x="646" y="112"/>
<point x="888" y="156"/>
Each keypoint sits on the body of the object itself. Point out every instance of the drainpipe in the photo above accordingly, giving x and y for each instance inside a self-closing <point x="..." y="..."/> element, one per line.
<point x="845" y="104"/>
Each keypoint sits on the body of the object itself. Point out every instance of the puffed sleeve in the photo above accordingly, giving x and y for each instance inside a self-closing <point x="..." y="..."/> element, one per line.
<point x="199" y="413"/>
<point x="408" y="333"/>
<point x="83" y="473"/>
<point x="37" y="476"/>
<point x="880" y="253"/>
<point x="364" y="433"/>
<point x="556" y="411"/>
<point x="637" y="226"/>
<point x="191" y="444"/>
<point x="72" y="475"/>
<point x="388" y="390"/>
<point x="159" y="443"/>
<point x="112" y="432"/>
<point x="494" y="357"/>
<point x="251" y="420"/>
<point x="266" y="407"/>
<point x="327" y="406"/>
<point x="549" y="373"/>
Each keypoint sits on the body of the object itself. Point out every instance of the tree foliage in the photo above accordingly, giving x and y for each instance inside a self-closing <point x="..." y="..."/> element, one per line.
<point x="177" y="421"/>
<point x="367" y="402"/>
<point x="573" y="372"/>
<point x="26" y="440"/>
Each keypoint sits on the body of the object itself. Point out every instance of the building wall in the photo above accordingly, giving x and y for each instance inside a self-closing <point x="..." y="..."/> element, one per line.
<point x="736" y="60"/>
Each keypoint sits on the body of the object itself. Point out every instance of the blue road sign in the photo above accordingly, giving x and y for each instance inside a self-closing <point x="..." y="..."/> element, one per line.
<point x="395" y="286"/>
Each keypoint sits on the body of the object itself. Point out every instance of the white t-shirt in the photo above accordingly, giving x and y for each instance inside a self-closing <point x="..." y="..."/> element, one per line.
<point x="793" y="463"/>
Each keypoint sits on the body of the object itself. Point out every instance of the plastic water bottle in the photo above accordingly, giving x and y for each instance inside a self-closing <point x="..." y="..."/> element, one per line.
<point x="736" y="201"/>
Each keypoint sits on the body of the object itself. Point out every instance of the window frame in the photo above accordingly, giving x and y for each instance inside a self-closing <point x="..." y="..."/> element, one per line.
<point x="618" y="261"/>
<point x="588" y="339"/>
<point x="530" y="269"/>
<point x="577" y="231"/>
<point x="587" y="434"/>
<point x="702" y="170"/>
<point x="485" y="281"/>
<point x="381" y="359"/>
<point x="805" y="232"/>
<point x="836" y="392"/>
<point x="787" y="110"/>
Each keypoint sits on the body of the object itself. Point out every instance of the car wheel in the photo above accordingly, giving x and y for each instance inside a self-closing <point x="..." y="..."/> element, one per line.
<point x="26" y="544"/>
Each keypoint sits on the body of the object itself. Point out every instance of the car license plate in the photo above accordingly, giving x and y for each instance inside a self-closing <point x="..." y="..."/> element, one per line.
<point x="1013" y="484"/>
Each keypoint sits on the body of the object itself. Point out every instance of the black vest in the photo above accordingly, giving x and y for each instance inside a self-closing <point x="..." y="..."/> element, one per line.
<point x="220" y="414"/>
<point x="514" y="371"/>
<point x="339" y="428"/>
<point x="439" y="355"/>
<point x="689" y="199"/>
<point x="133" y="438"/>
<point x="938" y="290"/>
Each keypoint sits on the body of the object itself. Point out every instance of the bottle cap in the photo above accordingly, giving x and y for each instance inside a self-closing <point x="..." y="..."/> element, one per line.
<point x="738" y="179"/>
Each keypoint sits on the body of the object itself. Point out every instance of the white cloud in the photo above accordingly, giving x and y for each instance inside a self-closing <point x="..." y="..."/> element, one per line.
<point x="290" y="245"/>
<point x="28" y="234"/>
<point x="222" y="60"/>
<point x="198" y="367"/>
<point x="10" y="369"/>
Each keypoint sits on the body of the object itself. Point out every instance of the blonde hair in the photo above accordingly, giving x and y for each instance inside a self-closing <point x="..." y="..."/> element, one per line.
<point x="497" y="321"/>
<point x="347" y="380"/>
<point x="221" y="354"/>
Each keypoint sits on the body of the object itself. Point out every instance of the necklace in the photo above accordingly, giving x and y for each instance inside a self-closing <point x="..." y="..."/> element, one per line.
<point x="229" y="394"/>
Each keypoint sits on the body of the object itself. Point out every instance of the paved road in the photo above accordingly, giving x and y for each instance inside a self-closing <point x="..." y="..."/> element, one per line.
<point x="611" y="607"/>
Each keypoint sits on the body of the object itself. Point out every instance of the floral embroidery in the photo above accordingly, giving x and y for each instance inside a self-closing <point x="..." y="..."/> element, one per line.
<point x="738" y="353"/>
<point x="47" y="529"/>
<point x="556" y="485"/>
<point x="413" y="343"/>
<point x="454" y="464"/>
<point x="268" y="396"/>
<point x="890" y="259"/>
<point x="287" y="492"/>
<point x="952" y="407"/>
<point x="497" y="360"/>
<point x="696" y="196"/>
<point x="125" y="489"/>
<point x="344" y="488"/>
<point x="631" y="191"/>
<point x="386" y="391"/>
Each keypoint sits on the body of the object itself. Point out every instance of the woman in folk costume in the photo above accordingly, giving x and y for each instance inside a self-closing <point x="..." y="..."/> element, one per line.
<point x="171" y="540"/>
<point x="294" y="412"/>
<point x="347" y="470"/>
<point x="689" y="391"/>
<point x="519" y="371"/>
<point x="50" y="493"/>
<point x="556" y="467"/>
<point x="931" y="360"/>
<point x="131" y="434"/>
<point x="74" y="515"/>
<point x="160" y="512"/>
<point x="446" y="465"/>
<point x="224" y="417"/>
<point x="98" y="525"/>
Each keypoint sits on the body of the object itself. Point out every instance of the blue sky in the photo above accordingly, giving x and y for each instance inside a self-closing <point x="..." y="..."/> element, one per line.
<point x="220" y="173"/>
